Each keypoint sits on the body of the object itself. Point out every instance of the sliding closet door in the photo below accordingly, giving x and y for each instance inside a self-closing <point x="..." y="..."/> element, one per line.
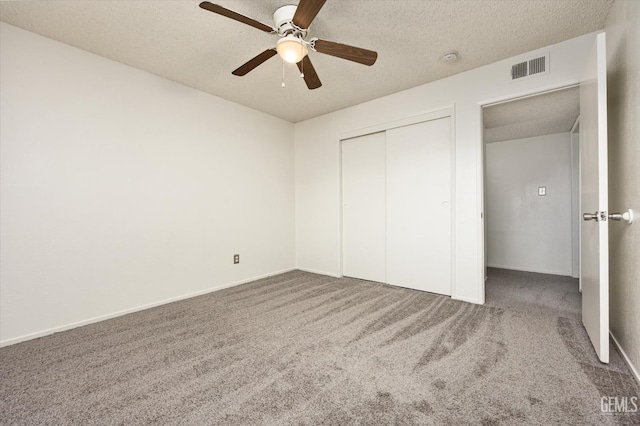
<point x="418" y="206"/>
<point x="364" y="205"/>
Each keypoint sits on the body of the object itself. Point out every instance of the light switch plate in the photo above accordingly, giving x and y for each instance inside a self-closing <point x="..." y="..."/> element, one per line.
<point x="542" y="191"/>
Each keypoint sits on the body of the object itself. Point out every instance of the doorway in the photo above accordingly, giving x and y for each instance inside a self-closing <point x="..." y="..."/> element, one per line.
<point x="531" y="178"/>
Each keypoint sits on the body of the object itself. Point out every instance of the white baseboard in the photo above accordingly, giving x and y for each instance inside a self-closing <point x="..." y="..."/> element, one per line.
<point x="313" y="271"/>
<point x="329" y="274"/>
<point x="625" y="357"/>
<point x="467" y="299"/>
<point x="537" y="271"/>
<point x="31" y="336"/>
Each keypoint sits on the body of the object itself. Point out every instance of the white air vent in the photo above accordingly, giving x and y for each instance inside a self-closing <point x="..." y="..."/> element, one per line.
<point x="519" y="70"/>
<point x="538" y="65"/>
<point x="530" y="68"/>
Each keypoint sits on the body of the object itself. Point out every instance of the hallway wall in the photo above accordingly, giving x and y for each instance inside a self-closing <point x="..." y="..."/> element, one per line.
<point x="526" y="231"/>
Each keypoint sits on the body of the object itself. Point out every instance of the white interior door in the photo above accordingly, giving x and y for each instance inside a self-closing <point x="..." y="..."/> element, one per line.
<point x="594" y="247"/>
<point x="364" y="207"/>
<point x="418" y="206"/>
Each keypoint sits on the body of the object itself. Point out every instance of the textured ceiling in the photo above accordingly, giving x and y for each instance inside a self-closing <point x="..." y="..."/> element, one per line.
<point x="179" y="41"/>
<point x="545" y="114"/>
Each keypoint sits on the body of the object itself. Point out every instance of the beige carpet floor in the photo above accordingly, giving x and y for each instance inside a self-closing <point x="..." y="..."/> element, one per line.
<point x="300" y="348"/>
<point x="532" y="293"/>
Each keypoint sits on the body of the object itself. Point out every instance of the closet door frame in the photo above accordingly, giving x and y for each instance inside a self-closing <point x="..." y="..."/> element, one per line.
<point x="382" y="127"/>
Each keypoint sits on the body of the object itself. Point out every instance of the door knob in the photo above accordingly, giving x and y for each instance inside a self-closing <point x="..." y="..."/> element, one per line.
<point x="590" y="216"/>
<point x="628" y="216"/>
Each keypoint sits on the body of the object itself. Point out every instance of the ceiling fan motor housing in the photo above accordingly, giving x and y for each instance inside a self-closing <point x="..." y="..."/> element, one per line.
<point x="283" y="18"/>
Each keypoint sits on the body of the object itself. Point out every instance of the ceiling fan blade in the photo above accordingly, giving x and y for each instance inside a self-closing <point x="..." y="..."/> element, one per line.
<point x="233" y="15"/>
<point x="306" y="11"/>
<point x="344" y="51"/>
<point x="310" y="76"/>
<point x="253" y="63"/>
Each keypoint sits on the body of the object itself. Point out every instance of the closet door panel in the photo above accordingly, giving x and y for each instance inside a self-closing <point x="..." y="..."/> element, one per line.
<point x="364" y="206"/>
<point x="419" y="206"/>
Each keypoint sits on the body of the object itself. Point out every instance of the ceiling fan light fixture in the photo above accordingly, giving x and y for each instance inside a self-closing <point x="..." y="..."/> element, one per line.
<point x="291" y="49"/>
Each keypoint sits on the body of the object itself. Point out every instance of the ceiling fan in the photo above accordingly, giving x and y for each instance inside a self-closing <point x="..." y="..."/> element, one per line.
<point x="292" y="27"/>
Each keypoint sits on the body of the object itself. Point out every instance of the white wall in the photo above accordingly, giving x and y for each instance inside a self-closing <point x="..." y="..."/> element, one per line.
<point x="120" y="189"/>
<point x="318" y="162"/>
<point x="525" y="231"/>
<point x="623" y="63"/>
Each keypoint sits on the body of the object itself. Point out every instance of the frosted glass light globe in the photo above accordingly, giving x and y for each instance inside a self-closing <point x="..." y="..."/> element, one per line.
<point x="291" y="49"/>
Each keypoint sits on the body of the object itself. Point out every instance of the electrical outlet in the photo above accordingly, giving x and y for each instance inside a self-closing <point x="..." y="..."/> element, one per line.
<point x="542" y="191"/>
<point x="236" y="258"/>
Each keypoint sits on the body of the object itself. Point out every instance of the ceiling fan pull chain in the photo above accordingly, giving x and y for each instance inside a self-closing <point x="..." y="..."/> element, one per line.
<point x="283" y="73"/>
